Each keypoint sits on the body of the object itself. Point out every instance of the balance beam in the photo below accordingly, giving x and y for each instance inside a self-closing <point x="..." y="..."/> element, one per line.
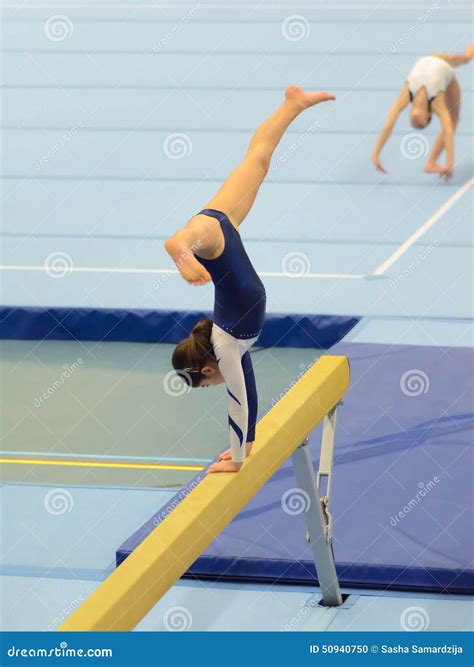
<point x="129" y="593"/>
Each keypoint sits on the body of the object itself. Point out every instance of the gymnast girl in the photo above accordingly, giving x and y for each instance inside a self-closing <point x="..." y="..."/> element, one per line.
<point x="209" y="247"/>
<point x="431" y="87"/>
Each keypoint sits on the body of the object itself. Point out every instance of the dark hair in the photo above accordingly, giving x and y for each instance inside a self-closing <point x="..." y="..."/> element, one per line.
<point x="191" y="354"/>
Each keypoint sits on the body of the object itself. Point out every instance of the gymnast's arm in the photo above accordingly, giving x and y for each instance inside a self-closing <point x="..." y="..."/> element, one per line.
<point x="229" y="352"/>
<point x="397" y="108"/>
<point x="441" y="110"/>
<point x="252" y="398"/>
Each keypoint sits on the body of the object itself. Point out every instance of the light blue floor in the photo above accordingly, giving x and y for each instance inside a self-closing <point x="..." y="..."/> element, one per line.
<point x="431" y="279"/>
<point x="78" y="541"/>
<point x="52" y="562"/>
<point x="85" y="174"/>
<point x="43" y="604"/>
<point x="86" y="120"/>
<point x="413" y="331"/>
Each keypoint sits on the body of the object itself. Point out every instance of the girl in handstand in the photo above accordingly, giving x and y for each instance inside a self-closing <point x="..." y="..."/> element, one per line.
<point x="209" y="247"/>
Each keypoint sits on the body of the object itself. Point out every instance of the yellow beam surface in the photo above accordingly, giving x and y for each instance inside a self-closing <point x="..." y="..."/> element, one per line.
<point x="124" y="598"/>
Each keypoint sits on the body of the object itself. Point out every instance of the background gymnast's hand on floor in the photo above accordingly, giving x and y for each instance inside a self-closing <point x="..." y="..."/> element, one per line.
<point x="379" y="166"/>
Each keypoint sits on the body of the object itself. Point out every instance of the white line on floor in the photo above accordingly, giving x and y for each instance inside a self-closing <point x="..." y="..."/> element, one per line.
<point x="424" y="228"/>
<point x="169" y="272"/>
<point x="233" y="6"/>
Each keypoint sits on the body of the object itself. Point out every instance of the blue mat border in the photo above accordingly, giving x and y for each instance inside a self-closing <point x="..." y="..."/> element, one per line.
<point x="160" y="326"/>
<point x="351" y="575"/>
<point x="419" y="580"/>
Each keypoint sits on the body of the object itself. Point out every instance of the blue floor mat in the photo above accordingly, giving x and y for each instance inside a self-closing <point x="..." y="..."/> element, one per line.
<point x="402" y="490"/>
<point x="159" y="326"/>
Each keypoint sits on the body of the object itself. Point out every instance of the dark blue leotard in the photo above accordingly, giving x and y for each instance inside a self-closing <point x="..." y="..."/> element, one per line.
<point x="239" y="313"/>
<point x="239" y="305"/>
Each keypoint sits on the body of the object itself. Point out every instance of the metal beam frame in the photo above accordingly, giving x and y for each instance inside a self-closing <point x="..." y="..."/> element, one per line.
<point x="317" y="514"/>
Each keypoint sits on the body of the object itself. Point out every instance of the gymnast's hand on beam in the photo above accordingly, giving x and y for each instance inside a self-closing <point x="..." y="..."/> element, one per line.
<point x="225" y="466"/>
<point x="227" y="455"/>
<point x="225" y="463"/>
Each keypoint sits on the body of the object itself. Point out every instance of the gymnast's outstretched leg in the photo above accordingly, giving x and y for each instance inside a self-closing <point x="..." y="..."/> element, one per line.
<point x="202" y="236"/>
<point x="238" y="193"/>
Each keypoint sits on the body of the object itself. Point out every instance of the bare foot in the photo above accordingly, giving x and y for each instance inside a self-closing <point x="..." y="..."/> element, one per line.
<point x="443" y="172"/>
<point x="433" y="168"/>
<point x="225" y="466"/>
<point x="306" y="99"/>
<point x="188" y="266"/>
<point x="227" y="455"/>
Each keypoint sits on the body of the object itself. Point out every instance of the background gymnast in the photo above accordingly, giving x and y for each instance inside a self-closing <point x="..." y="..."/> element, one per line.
<point x="209" y="247"/>
<point x="431" y="87"/>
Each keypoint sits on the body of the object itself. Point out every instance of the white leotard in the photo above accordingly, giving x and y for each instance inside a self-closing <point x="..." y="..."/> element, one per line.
<point x="434" y="73"/>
